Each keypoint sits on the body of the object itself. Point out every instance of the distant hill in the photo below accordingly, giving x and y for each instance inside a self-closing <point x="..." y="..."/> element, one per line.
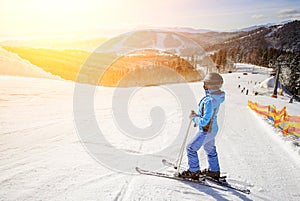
<point x="273" y="46"/>
<point x="281" y="37"/>
<point x="86" y="44"/>
<point x="285" y="37"/>
<point x="13" y="65"/>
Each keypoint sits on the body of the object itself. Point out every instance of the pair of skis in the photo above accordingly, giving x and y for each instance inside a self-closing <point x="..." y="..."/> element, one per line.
<point x="220" y="184"/>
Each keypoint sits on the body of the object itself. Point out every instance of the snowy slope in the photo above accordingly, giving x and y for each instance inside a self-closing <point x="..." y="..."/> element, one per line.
<point x="42" y="157"/>
<point x="12" y="64"/>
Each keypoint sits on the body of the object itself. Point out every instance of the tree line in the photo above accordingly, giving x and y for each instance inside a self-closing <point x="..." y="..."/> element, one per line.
<point x="266" y="57"/>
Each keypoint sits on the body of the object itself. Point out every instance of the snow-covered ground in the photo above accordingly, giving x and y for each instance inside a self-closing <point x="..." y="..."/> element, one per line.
<point x="12" y="64"/>
<point x="45" y="155"/>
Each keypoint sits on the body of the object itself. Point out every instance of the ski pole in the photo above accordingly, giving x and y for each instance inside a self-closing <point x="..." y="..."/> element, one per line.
<point x="182" y="148"/>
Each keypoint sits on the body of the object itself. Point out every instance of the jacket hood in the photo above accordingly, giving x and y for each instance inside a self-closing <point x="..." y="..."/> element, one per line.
<point x="217" y="95"/>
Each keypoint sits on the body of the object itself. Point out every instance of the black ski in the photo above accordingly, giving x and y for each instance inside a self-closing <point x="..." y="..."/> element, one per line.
<point x="221" y="182"/>
<point x="228" y="185"/>
<point x="168" y="176"/>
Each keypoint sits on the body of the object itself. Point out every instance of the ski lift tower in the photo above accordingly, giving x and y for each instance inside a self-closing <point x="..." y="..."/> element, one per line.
<point x="274" y="95"/>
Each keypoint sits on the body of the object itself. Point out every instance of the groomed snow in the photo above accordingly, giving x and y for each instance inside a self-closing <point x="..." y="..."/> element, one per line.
<point x="42" y="157"/>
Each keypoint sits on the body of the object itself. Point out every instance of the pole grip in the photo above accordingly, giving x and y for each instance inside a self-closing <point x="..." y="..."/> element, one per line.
<point x="192" y="111"/>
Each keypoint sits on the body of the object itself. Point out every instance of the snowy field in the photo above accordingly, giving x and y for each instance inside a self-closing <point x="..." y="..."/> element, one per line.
<point x="46" y="156"/>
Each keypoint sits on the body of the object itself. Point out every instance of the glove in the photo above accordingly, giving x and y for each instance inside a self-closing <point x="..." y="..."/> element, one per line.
<point x="192" y="114"/>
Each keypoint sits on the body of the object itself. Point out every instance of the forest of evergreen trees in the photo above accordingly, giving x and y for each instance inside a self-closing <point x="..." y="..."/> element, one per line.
<point x="266" y="47"/>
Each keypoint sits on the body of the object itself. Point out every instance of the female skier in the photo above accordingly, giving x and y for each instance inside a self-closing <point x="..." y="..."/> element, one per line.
<point x="206" y="119"/>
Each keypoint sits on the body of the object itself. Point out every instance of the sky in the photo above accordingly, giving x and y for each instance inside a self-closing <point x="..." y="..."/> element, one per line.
<point x="25" y="17"/>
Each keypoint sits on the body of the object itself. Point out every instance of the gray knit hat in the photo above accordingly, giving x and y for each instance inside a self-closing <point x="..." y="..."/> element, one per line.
<point x="213" y="81"/>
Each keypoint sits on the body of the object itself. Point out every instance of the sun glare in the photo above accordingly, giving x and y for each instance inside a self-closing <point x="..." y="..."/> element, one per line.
<point x="49" y="16"/>
<point x="56" y="7"/>
<point x="60" y="15"/>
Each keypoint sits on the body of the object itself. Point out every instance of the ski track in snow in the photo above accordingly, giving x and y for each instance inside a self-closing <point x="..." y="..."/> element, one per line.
<point x="42" y="157"/>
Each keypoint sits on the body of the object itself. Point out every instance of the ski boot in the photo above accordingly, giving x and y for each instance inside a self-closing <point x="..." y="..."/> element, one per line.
<point x="189" y="174"/>
<point x="212" y="174"/>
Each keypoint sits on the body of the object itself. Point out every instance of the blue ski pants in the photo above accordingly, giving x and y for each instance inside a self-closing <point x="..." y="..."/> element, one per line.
<point x="207" y="140"/>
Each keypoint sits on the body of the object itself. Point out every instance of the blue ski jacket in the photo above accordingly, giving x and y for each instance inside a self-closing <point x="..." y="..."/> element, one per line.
<point x="208" y="109"/>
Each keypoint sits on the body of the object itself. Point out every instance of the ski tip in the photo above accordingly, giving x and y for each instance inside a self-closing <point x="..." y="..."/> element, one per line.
<point x="247" y="191"/>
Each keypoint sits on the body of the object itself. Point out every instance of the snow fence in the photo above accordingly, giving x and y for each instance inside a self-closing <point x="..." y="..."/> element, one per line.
<point x="279" y="118"/>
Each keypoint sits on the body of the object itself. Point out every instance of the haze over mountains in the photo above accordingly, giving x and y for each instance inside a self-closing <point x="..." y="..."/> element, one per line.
<point x="88" y="41"/>
<point x="262" y="45"/>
